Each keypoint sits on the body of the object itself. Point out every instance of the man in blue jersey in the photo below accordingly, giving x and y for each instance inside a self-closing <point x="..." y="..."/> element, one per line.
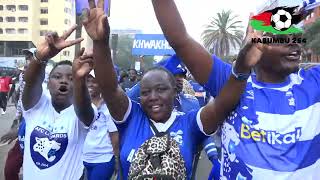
<point x="274" y="130"/>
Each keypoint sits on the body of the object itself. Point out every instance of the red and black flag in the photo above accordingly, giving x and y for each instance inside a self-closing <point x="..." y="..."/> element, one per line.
<point x="278" y="21"/>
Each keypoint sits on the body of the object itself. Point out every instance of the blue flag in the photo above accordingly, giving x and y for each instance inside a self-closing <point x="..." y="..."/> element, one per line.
<point x="152" y="45"/>
<point x="311" y="4"/>
<point x="81" y="4"/>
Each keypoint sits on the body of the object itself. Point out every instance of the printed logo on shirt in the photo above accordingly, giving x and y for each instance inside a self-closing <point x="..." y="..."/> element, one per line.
<point x="232" y="166"/>
<point x="99" y="118"/>
<point x="291" y="98"/>
<point x="21" y="142"/>
<point x="177" y="136"/>
<point x="47" y="148"/>
<point x="250" y="94"/>
<point x="270" y="137"/>
<point x="131" y="155"/>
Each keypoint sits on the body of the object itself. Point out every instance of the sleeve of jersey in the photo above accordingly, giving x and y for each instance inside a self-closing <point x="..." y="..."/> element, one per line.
<point x="134" y="93"/>
<point x="133" y="113"/>
<point x="110" y="124"/>
<point x="195" y="126"/>
<point x="218" y="77"/>
<point x="313" y="74"/>
<point x="200" y="125"/>
<point x="210" y="148"/>
<point x="41" y="104"/>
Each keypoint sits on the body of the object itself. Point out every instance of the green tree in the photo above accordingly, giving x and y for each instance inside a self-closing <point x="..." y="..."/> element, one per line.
<point x="124" y="59"/>
<point x="148" y="62"/>
<point x="222" y="33"/>
<point x="312" y="35"/>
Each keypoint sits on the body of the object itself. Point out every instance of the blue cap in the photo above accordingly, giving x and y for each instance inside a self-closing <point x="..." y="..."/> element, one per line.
<point x="174" y="65"/>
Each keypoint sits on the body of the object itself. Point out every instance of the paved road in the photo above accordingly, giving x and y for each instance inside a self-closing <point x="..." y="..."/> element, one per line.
<point x="5" y="123"/>
<point x="203" y="169"/>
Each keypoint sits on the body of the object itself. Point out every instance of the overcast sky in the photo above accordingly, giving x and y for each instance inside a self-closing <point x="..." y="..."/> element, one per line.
<point x="138" y="14"/>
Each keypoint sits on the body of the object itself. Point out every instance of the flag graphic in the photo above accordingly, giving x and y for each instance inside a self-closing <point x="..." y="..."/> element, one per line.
<point x="311" y="4"/>
<point x="280" y="20"/>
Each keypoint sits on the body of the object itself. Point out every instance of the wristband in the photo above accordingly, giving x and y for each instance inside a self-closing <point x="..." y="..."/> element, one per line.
<point x="38" y="60"/>
<point x="240" y="76"/>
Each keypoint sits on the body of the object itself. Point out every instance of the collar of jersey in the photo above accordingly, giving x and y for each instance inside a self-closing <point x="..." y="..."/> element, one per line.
<point x="269" y="85"/>
<point x="163" y="127"/>
<point x="61" y="112"/>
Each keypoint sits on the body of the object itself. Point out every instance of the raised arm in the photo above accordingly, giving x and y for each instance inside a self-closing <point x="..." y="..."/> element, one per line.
<point x="96" y="24"/>
<point x="35" y="73"/>
<point x="195" y="56"/>
<point x="81" y="67"/>
<point x="215" y="112"/>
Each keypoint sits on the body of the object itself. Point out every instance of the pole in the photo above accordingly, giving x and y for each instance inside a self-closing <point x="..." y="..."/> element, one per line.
<point x="114" y="46"/>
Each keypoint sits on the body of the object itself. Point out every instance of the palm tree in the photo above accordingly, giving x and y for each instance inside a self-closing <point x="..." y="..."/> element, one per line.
<point x="223" y="32"/>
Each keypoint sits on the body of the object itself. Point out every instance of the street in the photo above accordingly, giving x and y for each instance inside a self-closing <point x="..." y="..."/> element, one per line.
<point x="203" y="169"/>
<point x="5" y="121"/>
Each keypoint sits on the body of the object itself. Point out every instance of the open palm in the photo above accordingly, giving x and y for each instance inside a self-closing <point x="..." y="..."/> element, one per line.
<point x="251" y="52"/>
<point x="95" y="21"/>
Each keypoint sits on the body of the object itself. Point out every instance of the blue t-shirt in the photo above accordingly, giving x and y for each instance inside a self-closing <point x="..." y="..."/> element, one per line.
<point x="185" y="103"/>
<point x="134" y="93"/>
<point x="274" y="130"/>
<point x="21" y="134"/>
<point x="135" y="130"/>
<point x="219" y="75"/>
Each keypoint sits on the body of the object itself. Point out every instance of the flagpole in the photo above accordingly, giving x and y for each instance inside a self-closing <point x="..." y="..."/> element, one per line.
<point x="79" y="5"/>
<point x="78" y="31"/>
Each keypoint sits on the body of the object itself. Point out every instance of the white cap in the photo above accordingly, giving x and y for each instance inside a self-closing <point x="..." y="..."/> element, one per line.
<point x="29" y="51"/>
<point x="21" y="68"/>
<point x="92" y="74"/>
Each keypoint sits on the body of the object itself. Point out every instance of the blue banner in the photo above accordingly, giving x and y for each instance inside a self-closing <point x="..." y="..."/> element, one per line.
<point x="152" y="45"/>
<point x="81" y="4"/>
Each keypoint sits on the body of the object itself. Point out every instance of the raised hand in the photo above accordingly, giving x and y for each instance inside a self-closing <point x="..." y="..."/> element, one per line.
<point x="82" y="64"/>
<point x="53" y="44"/>
<point x="95" y="21"/>
<point x="251" y="53"/>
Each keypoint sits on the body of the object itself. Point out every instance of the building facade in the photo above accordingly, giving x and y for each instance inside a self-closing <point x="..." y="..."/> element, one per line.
<point x="24" y="23"/>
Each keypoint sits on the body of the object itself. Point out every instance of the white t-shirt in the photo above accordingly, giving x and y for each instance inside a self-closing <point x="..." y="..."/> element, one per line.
<point x="97" y="147"/>
<point x="53" y="143"/>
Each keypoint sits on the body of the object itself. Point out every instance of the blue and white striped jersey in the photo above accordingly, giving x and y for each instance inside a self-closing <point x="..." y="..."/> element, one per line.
<point x="274" y="131"/>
